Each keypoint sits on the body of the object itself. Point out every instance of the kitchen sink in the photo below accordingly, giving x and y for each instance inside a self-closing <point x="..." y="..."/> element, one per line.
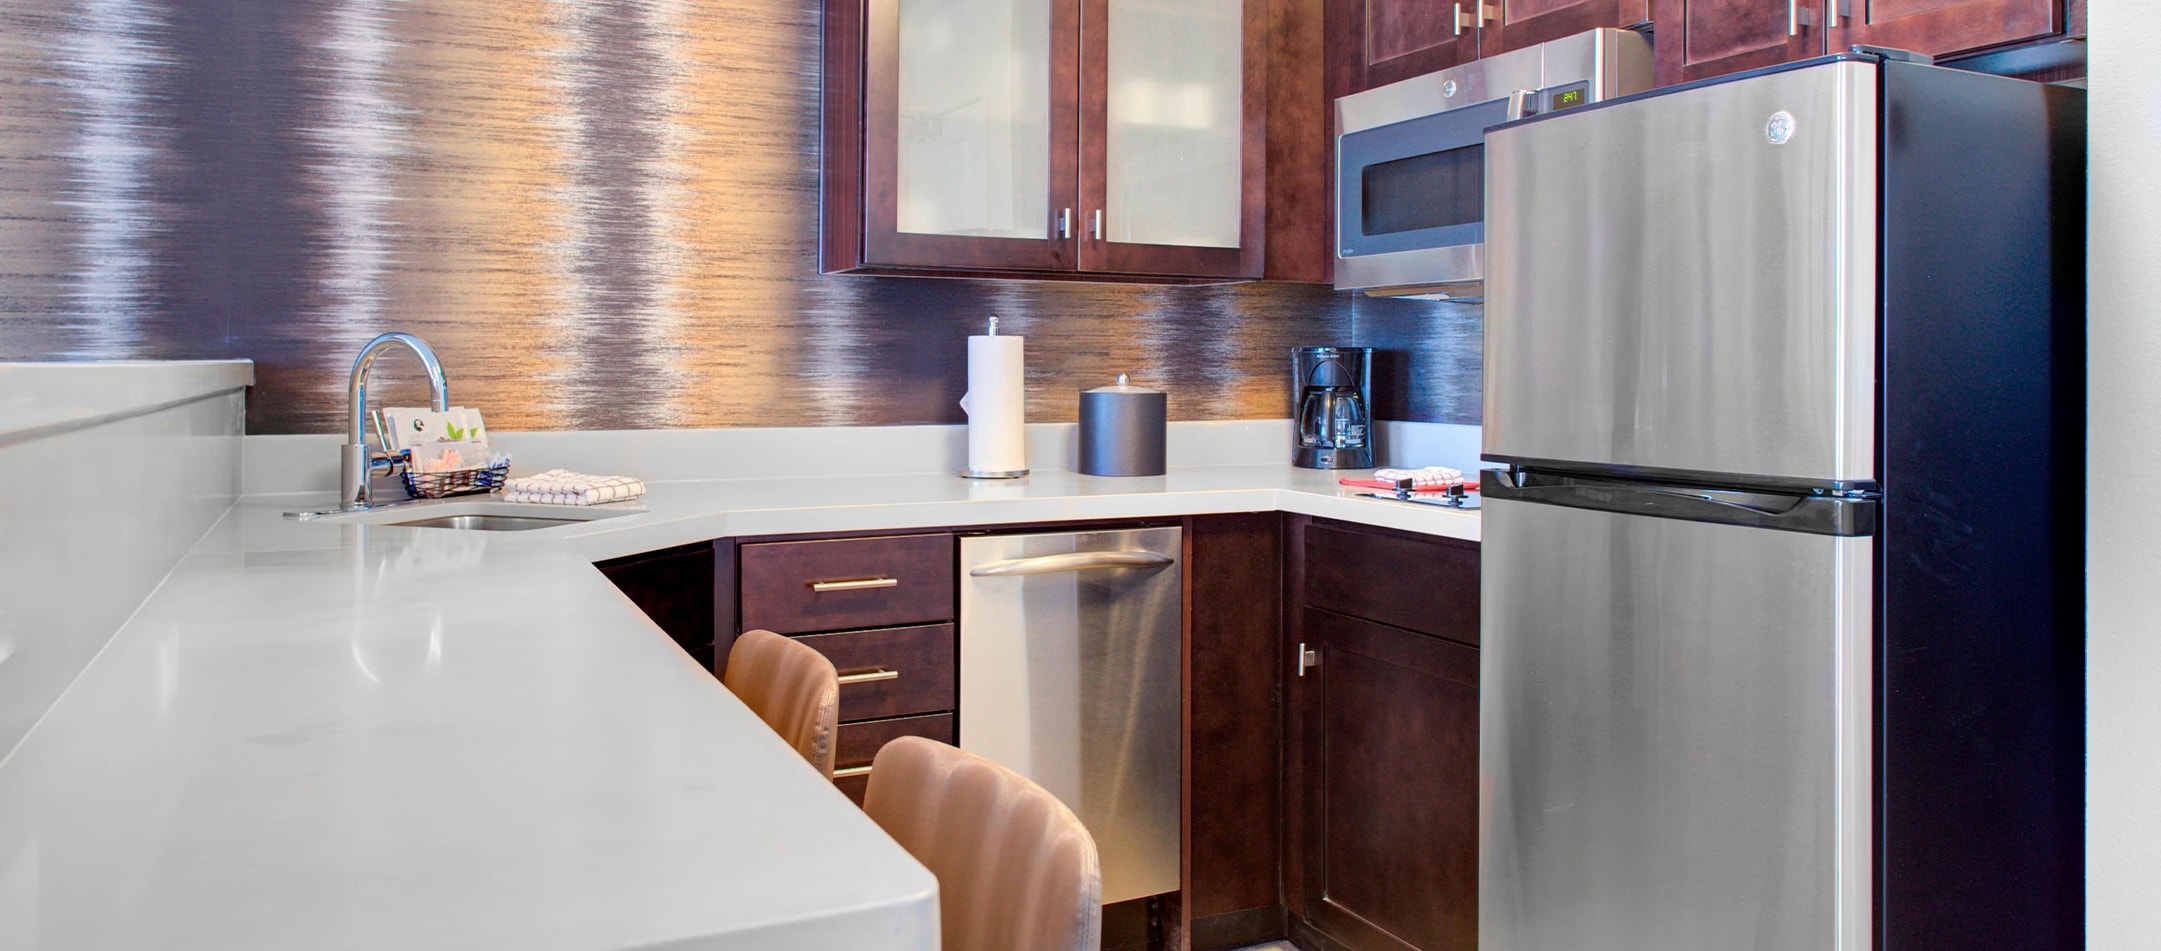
<point x="488" y="523"/>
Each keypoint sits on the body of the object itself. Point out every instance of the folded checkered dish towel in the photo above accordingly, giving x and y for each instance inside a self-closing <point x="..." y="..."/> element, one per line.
<point x="564" y="487"/>
<point x="1430" y="475"/>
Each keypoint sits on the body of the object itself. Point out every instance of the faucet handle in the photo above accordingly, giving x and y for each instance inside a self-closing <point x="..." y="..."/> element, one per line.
<point x="381" y="438"/>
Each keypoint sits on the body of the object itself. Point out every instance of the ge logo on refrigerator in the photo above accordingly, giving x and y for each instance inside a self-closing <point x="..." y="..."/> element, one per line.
<point x="1779" y="128"/>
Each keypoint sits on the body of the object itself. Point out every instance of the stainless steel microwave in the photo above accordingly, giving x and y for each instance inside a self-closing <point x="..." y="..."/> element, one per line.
<point x="1411" y="164"/>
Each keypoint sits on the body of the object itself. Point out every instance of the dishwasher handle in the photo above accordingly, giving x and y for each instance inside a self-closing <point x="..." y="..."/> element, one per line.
<point x="1072" y="561"/>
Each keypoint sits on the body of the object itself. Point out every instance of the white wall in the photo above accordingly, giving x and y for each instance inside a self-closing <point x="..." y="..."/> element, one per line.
<point x="2124" y="552"/>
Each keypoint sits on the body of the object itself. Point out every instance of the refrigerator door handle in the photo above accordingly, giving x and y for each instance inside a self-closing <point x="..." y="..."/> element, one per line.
<point x="1755" y="502"/>
<point x="1814" y="514"/>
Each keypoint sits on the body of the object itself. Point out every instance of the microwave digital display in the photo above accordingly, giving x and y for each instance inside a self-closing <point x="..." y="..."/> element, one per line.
<point x="1433" y="190"/>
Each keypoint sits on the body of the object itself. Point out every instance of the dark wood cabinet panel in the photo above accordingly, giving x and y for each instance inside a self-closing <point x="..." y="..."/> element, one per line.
<point x="1515" y="24"/>
<point x="1233" y="729"/>
<point x="1944" y="27"/>
<point x="1380" y="738"/>
<point x="861" y="206"/>
<point x="1300" y="206"/>
<point x="1699" y="39"/>
<point x="803" y="587"/>
<point x="880" y="133"/>
<point x="1391" y="858"/>
<point x="1377" y="42"/>
<point x="1429" y="585"/>
<point x="858" y="744"/>
<point x="674" y="588"/>
<point x="919" y="660"/>
<point x="1101" y="254"/>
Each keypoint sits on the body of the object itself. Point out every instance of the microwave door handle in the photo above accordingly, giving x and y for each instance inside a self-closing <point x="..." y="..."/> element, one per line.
<point x="1518" y="101"/>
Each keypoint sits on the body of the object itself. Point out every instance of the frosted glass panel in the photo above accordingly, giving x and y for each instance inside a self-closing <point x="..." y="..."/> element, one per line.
<point x="1174" y="117"/>
<point x="975" y="118"/>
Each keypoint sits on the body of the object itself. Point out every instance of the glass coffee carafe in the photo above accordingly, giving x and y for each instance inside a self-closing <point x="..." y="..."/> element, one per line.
<point x="1332" y="394"/>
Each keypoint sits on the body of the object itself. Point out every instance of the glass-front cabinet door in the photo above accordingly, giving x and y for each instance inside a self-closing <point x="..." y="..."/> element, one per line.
<point x="969" y="137"/>
<point x="1168" y="94"/>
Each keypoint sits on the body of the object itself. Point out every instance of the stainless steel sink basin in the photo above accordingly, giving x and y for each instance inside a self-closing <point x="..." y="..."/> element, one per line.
<point x="473" y="514"/>
<point x="488" y="523"/>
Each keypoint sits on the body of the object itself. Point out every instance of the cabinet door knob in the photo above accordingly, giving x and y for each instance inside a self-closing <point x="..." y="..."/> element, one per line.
<point x="869" y="676"/>
<point x="1065" y="223"/>
<point x="1096" y="227"/>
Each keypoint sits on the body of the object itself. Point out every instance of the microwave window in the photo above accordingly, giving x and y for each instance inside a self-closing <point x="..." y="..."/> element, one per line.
<point x="1434" y="190"/>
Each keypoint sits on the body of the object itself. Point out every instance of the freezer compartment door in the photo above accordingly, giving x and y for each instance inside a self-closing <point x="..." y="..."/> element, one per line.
<point x="1686" y="282"/>
<point x="1674" y="734"/>
<point x="1070" y="670"/>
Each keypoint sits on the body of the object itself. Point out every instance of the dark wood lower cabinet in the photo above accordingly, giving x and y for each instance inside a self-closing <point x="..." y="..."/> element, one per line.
<point x="859" y="743"/>
<point x="1233" y="771"/>
<point x="1338" y="808"/>
<point x="675" y="588"/>
<point x="1381" y="740"/>
<point x="1391" y="858"/>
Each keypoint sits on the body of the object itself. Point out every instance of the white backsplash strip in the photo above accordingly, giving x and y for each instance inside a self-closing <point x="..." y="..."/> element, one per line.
<point x="37" y="396"/>
<point x="1411" y="445"/>
<point x="282" y="464"/>
<point x="113" y="472"/>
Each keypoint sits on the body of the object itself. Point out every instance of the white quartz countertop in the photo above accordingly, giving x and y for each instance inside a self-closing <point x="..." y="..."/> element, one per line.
<point x="332" y="735"/>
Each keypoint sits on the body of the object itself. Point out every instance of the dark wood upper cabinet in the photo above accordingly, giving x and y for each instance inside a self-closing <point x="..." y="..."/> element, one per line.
<point x="1515" y="24"/>
<point x="1377" y="42"/>
<point x="969" y="133"/>
<point x="1170" y="115"/>
<point x="1078" y="139"/>
<point x="1943" y="27"/>
<point x="1699" y="39"/>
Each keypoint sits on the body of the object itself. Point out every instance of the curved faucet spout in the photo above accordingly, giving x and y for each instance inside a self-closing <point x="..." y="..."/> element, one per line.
<point x="357" y="458"/>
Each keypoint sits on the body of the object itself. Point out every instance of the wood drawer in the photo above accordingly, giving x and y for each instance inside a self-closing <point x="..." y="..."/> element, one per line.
<point x="802" y="587"/>
<point x="859" y="743"/>
<point x="1428" y="585"/>
<point x="920" y="661"/>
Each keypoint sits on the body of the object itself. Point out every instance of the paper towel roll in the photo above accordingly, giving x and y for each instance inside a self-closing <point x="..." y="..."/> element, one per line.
<point x="997" y="407"/>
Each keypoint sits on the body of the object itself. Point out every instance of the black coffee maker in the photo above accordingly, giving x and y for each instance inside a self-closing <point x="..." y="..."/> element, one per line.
<point x="1332" y="406"/>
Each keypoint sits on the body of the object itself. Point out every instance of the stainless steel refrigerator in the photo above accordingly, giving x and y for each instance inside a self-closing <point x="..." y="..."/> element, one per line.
<point x="1782" y="636"/>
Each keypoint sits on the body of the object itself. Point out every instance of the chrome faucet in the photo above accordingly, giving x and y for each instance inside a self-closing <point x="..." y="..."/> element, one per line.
<point x="357" y="460"/>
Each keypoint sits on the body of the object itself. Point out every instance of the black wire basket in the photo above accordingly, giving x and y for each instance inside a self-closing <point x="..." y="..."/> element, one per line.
<point x="442" y="485"/>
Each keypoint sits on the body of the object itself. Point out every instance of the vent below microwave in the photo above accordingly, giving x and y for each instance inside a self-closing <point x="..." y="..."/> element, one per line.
<point x="1471" y="293"/>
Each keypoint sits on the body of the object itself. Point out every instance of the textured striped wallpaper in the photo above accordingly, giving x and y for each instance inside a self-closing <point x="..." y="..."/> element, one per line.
<point x="601" y="214"/>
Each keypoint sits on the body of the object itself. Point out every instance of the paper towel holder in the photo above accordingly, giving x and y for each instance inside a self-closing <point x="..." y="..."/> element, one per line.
<point x="992" y="331"/>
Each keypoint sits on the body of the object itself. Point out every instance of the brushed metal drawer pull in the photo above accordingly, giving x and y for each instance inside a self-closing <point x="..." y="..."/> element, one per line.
<point x="860" y="584"/>
<point x="870" y="676"/>
<point x="851" y="771"/>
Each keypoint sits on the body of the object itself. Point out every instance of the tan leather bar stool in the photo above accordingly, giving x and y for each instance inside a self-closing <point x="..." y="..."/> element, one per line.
<point x="1015" y="868"/>
<point x="793" y="688"/>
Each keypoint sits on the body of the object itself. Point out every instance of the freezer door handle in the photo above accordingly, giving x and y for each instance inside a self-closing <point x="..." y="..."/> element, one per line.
<point x="1842" y="514"/>
<point x="1072" y="561"/>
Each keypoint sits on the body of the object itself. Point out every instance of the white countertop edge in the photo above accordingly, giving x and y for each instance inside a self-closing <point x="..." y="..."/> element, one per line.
<point x="37" y="397"/>
<point x="604" y="539"/>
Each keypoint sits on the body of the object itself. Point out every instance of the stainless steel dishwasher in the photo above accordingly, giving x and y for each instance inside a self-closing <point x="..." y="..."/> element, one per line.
<point x="1069" y="675"/>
